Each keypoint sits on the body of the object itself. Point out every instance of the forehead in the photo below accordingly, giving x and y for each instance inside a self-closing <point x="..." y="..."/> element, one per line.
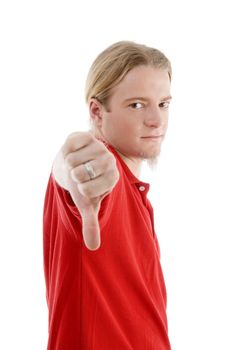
<point x="144" y="81"/>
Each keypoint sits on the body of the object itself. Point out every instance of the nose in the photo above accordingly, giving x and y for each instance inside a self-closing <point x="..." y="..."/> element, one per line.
<point x="154" y="118"/>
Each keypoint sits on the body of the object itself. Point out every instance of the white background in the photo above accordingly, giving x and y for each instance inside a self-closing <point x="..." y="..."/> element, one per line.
<point x="46" y="50"/>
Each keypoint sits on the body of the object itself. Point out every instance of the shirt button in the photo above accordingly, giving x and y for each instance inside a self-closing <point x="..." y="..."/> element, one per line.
<point x="142" y="188"/>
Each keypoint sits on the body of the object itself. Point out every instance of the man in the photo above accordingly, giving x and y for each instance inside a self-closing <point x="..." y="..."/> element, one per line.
<point x="105" y="287"/>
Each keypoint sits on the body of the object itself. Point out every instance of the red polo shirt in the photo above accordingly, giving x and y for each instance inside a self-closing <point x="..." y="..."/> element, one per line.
<point x="113" y="298"/>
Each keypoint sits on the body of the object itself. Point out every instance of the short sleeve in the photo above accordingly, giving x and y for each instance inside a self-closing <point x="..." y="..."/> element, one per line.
<point x="59" y="208"/>
<point x="60" y="211"/>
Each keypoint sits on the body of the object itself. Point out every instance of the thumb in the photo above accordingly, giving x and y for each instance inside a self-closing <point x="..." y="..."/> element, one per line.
<point x="90" y="228"/>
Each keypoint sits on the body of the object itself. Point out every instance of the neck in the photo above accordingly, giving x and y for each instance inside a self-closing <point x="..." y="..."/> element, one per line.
<point x="133" y="164"/>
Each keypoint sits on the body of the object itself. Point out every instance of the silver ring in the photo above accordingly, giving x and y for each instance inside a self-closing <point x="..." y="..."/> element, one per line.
<point x="90" y="170"/>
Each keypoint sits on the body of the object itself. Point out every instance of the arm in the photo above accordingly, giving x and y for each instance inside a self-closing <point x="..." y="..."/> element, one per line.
<point x="70" y="173"/>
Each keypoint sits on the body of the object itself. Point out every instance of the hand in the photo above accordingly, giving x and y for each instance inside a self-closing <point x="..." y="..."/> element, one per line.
<point x="87" y="193"/>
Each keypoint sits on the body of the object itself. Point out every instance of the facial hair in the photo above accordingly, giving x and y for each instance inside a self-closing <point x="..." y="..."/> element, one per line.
<point x="151" y="161"/>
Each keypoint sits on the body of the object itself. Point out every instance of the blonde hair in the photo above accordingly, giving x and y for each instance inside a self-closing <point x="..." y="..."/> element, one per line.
<point x="112" y="65"/>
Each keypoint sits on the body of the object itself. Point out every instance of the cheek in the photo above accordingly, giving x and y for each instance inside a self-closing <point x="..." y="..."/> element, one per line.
<point x="121" y="125"/>
<point x="117" y="124"/>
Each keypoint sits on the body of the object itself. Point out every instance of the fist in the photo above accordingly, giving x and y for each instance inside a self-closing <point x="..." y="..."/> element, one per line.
<point x="91" y="173"/>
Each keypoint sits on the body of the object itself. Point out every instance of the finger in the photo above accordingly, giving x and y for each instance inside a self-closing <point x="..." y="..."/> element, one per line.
<point x="99" y="185"/>
<point x="84" y="155"/>
<point x="80" y="174"/>
<point x="91" y="229"/>
<point x="76" y="141"/>
<point x="100" y="166"/>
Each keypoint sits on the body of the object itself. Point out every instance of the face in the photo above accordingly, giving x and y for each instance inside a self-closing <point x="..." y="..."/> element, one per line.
<point x="136" y="121"/>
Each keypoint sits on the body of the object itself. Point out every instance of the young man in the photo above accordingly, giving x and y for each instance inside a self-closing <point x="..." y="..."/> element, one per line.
<point x="105" y="287"/>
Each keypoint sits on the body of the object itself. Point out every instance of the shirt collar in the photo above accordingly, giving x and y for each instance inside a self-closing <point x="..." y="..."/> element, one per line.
<point x="132" y="178"/>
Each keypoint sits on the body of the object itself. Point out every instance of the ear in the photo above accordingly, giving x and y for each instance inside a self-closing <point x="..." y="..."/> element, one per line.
<point x="96" y="111"/>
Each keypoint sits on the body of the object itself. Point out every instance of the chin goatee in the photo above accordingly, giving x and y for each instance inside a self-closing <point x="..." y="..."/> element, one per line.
<point x="152" y="162"/>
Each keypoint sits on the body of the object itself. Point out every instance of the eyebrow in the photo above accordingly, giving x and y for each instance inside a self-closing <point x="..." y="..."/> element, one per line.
<point x="167" y="98"/>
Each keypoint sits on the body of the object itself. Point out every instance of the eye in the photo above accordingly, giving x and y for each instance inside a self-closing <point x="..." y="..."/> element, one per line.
<point x="136" y="105"/>
<point x="164" y="105"/>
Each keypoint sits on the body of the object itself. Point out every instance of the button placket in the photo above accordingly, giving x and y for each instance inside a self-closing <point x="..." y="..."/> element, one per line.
<point x="143" y="190"/>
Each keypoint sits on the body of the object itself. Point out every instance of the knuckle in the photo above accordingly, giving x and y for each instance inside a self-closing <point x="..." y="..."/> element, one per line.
<point x="87" y="137"/>
<point x="68" y="144"/>
<point x="98" y="146"/>
<point x="78" y="174"/>
<point x="76" y="140"/>
<point x="71" y="136"/>
<point x="85" y="190"/>
<point x="74" y="174"/>
<point x="69" y="161"/>
<point x="117" y="175"/>
<point x="71" y="139"/>
<point x="114" y="162"/>
<point x="113" y="176"/>
<point x="110" y="160"/>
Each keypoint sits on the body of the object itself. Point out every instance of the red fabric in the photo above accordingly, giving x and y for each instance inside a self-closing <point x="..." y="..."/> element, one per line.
<point x="113" y="298"/>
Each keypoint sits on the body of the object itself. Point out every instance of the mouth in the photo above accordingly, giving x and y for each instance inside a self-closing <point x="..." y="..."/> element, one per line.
<point x="151" y="138"/>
